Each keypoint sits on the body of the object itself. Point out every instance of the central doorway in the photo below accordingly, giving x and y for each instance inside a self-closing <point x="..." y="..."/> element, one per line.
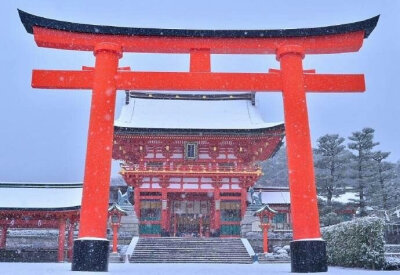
<point x="190" y="215"/>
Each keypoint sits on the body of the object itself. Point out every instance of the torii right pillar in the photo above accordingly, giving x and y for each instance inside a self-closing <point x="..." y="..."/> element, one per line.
<point x="308" y="250"/>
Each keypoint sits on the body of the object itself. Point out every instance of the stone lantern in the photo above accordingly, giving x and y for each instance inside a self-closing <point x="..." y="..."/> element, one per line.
<point x="265" y="213"/>
<point x="115" y="212"/>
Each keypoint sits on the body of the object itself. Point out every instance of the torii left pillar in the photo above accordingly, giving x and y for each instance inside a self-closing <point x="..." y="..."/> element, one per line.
<point x="91" y="249"/>
<point x="3" y="237"/>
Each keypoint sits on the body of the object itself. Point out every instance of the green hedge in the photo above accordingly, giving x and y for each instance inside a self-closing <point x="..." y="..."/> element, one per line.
<point x="357" y="243"/>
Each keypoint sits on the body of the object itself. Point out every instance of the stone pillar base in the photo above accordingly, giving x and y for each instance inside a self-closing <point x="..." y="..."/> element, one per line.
<point x="90" y="255"/>
<point x="308" y="256"/>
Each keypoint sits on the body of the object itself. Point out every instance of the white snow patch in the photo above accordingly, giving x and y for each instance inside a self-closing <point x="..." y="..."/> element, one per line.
<point x="191" y="114"/>
<point x="169" y="269"/>
<point x="273" y="197"/>
<point x="40" y="197"/>
<point x="132" y="245"/>
<point x="248" y="246"/>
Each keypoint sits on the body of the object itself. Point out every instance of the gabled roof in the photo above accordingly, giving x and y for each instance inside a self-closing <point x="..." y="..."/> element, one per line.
<point x="228" y="112"/>
<point x="263" y="208"/>
<point x="273" y="197"/>
<point x="116" y="207"/>
<point x="40" y="196"/>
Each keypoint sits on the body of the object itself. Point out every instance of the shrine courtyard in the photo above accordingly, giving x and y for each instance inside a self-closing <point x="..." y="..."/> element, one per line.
<point x="172" y="269"/>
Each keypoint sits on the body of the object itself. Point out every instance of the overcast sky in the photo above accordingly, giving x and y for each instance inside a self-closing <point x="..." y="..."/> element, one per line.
<point x="43" y="132"/>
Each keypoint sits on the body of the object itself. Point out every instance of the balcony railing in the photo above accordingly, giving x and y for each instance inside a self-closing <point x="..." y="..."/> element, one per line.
<point x="190" y="169"/>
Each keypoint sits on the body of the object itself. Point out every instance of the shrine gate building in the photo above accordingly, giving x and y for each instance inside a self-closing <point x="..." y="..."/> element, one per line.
<point x="191" y="159"/>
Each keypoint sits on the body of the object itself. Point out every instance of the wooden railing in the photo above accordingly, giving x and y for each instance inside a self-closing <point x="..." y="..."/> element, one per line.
<point x="191" y="168"/>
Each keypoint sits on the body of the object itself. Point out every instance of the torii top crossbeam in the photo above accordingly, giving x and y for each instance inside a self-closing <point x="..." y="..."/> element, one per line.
<point x="72" y="36"/>
<point x="200" y="44"/>
<point x="290" y="46"/>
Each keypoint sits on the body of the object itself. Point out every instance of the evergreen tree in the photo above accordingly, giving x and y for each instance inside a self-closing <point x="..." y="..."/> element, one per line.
<point x="275" y="170"/>
<point x="331" y="160"/>
<point x="362" y="145"/>
<point x="384" y="174"/>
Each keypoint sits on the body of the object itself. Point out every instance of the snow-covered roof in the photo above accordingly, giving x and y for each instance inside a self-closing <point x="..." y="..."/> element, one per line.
<point x="117" y="207"/>
<point x="273" y="197"/>
<point x="347" y="197"/>
<point x="179" y="113"/>
<point x="265" y="207"/>
<point x="40" y="196"/>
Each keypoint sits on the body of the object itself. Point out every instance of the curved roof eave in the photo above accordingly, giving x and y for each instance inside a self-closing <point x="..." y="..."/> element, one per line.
<point x="171" y="131"/>
<point x="30" y="20"/>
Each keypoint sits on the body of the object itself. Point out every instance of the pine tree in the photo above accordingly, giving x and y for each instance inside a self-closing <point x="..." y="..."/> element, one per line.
<point x="331" y="160"/>
<point x="383" y="175"/>
<point x="362" y="143"/>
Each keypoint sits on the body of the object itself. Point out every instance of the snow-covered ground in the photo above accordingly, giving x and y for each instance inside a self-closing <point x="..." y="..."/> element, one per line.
<point x="170" y="269"/>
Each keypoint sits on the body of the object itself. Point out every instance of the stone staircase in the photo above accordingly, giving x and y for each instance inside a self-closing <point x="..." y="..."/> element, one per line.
<point x="190" y="250"/>
<point x="392" y="250"/>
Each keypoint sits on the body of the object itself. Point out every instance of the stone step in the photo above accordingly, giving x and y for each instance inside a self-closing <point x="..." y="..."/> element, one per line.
<point x="190" y="250"/>
<point x="186" y="262"/>
<point x="185" y="256"/>
<point x="206" y="261"/>
<point x="394" y="255"/>
<point x="191" y="260"/>
<point x="392" y="248"/>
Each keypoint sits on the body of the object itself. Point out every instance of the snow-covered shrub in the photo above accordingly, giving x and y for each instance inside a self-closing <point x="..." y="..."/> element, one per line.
<point x="357" y="243"/>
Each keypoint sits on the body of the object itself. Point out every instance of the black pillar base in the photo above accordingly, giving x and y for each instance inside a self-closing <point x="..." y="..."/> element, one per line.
<point x="90" y="255"/>
<point x="308" y="256"/>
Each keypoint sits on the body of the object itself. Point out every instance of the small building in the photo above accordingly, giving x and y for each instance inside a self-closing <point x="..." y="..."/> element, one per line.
<point x="191" y="159"/>
<point x="40" y="206"/>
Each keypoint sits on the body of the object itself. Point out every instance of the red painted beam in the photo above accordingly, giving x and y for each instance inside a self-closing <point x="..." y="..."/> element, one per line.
<point x="334" y="83"/>
<point x="55" y="79"/>
<point x="29" y="223"/>
<point x="192" y="81"/>
<point x="61" y="241"/>
<point x="337" y="43"/>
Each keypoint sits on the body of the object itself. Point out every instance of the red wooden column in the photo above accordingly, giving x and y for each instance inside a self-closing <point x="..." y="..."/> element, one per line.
<point x="200" y="60"/>
<point x="70" y="239"/>
<point x="300" y="160"/>
<point x="115" y="237"/>
<point x="135" y="181"/>
<point x="308" y="250"/>
<point x="243" y="199"/>
<point x="212" y="216"/>
<point x="91" y="249"/>
<point x="136" y="196"/>
<point x="3" y="237"/>
<point x="164" y="204"/>
<point x="217" y="208"/>
<point x="201" y="226"/>
<point x="265" y="227"/>
<point x="61" y="240"/>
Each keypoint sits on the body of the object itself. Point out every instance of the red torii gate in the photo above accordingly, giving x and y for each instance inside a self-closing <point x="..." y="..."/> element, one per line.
<point x="108" y="43"/>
